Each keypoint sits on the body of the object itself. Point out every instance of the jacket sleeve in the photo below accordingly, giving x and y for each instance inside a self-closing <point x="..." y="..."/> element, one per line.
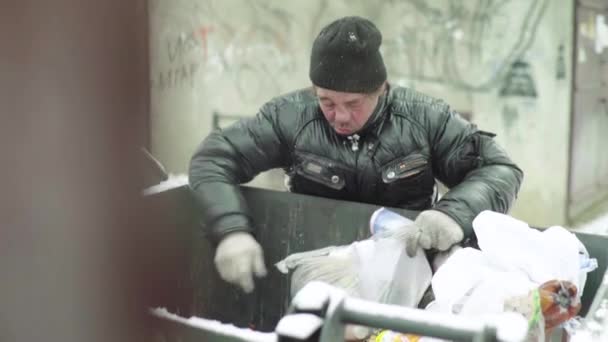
<point x="478" y="172"/>
<point x="228" y="158"/>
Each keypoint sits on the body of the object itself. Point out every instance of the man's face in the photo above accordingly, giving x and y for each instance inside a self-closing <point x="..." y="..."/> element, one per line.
<point x="346" y="112"/>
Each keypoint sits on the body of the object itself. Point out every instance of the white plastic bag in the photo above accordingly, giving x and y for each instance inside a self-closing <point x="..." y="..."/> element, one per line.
<point x="513" y="262"/>
<point x="468" y="283"/>
<point x="388" y="275"/>
<point x="554" y="253"/>
<point x="376" y="269"/>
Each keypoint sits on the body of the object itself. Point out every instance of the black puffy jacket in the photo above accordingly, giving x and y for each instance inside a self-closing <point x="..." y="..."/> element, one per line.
<point x="409" y="141"/>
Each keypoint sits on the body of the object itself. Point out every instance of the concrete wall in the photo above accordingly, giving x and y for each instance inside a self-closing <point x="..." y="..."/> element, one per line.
<point x="507" y="63"/>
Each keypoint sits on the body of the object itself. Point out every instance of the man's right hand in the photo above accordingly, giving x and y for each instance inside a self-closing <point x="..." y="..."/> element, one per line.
<point x="238" y="258"/>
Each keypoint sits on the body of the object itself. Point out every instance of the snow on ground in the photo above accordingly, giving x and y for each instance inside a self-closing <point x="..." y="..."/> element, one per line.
<point x="599" y="225"/>
<point x="218" y="327"/>
<point x="174" y="181"/>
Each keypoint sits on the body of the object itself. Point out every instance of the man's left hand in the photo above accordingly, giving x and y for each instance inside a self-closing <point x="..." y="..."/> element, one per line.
<point x="434" y="230"/>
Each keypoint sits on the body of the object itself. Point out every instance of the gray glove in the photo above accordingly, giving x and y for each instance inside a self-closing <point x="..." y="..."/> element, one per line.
<point x="238" y="258"/>
<point x="434" y="229"/>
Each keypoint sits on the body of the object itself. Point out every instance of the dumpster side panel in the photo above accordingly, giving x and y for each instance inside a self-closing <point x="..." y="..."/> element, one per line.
<point x="286" y="223"/>
<point x="597" y="246"/>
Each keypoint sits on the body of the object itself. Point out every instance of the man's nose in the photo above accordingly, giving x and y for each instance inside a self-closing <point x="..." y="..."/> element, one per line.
<point x="342" y="116"/>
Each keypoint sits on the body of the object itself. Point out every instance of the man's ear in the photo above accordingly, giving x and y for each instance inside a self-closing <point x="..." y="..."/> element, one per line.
<point x="382" y="88"/>
<point x="379" y="91"/>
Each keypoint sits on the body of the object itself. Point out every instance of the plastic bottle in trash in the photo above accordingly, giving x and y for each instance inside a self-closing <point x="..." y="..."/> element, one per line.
<point x="384" y="220"/>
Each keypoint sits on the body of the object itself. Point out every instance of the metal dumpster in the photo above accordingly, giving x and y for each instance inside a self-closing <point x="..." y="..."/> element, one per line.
<point x="285" y="223"/>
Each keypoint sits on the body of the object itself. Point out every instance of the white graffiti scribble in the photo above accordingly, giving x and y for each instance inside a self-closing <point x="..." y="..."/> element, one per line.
<point x="464" y="44"/>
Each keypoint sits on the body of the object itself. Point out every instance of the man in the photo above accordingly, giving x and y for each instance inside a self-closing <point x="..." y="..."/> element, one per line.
<point x="352" y="137"/>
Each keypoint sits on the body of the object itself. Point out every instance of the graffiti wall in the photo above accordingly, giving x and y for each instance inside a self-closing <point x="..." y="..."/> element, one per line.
<point x="506" y="63"/>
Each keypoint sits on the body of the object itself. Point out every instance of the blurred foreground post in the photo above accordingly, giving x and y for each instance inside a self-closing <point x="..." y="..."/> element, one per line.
<point x="80" y="257"/>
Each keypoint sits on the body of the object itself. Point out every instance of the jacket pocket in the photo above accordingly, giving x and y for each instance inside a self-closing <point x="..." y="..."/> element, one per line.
<point x="404" y="168"/>
<point x="477" y="140"/>
<point x="471" y="154"/>
<point x="407" y="182"/>
<point x="320" y="170"/>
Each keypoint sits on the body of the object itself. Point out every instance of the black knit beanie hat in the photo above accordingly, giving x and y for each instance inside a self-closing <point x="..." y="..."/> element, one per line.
<point x="346" y="57"/>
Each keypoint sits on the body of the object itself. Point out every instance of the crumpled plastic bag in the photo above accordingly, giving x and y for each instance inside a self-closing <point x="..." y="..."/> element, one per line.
<point x="514" y="263"/>
<point x="376" y="269"/>
<point x="554" y="253"/>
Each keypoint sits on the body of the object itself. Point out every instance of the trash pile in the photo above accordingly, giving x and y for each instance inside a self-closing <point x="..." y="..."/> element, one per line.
<point x="538" y="274"/>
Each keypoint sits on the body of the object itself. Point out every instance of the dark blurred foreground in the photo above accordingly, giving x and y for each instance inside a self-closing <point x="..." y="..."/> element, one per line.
<point x="81" y="257"/>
